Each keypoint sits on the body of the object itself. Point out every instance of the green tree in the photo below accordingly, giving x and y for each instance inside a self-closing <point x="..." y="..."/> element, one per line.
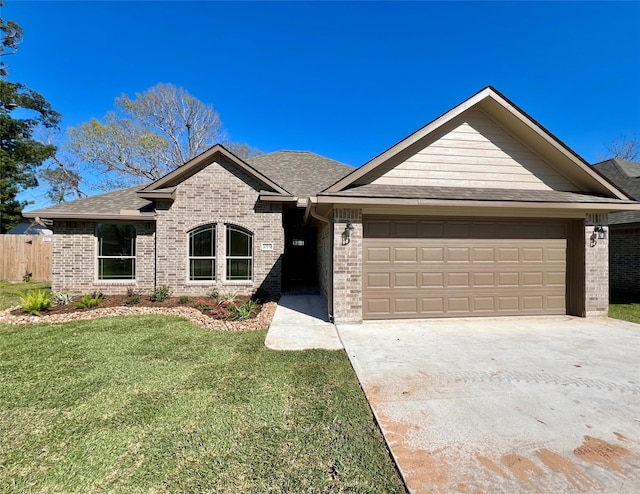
<point x="20" y="153"/>
<point x="11" y="37"/>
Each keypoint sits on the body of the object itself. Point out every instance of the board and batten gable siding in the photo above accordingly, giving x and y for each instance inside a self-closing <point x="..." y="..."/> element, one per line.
<point x="476" y="152"/>
<point x="219" y="194"/>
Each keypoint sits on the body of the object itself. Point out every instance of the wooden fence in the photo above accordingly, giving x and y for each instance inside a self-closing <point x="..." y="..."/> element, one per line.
<point x="20" y="254"/>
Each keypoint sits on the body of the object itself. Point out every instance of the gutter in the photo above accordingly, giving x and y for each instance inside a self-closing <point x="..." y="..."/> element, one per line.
<point x="91" y="216"/>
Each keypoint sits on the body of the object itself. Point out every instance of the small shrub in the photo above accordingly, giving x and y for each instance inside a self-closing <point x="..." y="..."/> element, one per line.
<point x="224" y="310"/>
<point x="243" y="312"/>
<point x="90" y="300"/>
<point x="35" y="301"/>
<point x="26" y="277"/>
<point x="184" y="299"/>
<point x="161" y="293"/>
<point x="227" y="297"/>
<point x="214" y="293"/>
<point x="133" y="296"/>
<point x="61" y="298"/>
<point x="260" y="296"/>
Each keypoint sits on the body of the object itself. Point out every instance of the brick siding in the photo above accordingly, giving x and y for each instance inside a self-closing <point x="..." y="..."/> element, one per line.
<point x="74" y="259"/>
<point x="596" y="268"/>
<point x="324" y="263"/>
<point x="347" y="267"/>
<point x="624" y="257"/>
<point x="219" y="194"/>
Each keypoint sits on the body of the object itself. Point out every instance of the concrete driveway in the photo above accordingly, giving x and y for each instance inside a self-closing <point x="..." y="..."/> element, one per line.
<point x="544" y="404"/>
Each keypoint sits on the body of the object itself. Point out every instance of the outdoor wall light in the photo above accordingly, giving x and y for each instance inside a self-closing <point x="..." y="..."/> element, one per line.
<point x="346" y="234"/>
<point x="601" y="232"/>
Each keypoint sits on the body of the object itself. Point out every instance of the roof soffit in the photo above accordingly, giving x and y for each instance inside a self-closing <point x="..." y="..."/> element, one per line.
<point x="505" y="114"/>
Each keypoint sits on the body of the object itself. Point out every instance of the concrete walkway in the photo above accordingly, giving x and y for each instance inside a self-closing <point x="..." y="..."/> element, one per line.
<point x="301" y="322"/>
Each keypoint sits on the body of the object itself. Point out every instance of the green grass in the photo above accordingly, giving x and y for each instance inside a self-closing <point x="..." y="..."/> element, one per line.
<point x="10" y="292"/>
<point x="626" y="312"/>
<point x="625" y="305"/>
<point x="155" y="404"/>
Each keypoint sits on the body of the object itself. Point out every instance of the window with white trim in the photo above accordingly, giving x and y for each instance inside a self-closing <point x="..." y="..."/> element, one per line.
<point x="202" y="253"/>
<point x="239" y="249"/>
<point x="116" y="251"/>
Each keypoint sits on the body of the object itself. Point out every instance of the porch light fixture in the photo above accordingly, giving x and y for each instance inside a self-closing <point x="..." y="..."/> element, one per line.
<point x="346" y="234"/>
<point x="601" y="232"/>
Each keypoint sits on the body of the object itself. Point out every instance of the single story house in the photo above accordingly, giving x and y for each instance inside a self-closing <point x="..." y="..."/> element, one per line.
<point x="482" y="212"/>
<point x="624" y="228"/>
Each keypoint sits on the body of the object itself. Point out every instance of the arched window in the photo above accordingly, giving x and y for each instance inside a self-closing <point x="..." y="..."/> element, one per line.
<point x="239" y="254"/>
<point x="202" y="253"/>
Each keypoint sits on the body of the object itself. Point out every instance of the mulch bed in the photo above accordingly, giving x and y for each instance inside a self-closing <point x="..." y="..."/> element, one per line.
<point x="115" y="305"/>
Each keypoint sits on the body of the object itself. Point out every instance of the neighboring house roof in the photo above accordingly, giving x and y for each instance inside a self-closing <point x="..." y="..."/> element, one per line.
<point x="29" y="228"/>
<point x="626" y="176"/>
<point x="502" y="112"/>
<point x="300" y="172"/>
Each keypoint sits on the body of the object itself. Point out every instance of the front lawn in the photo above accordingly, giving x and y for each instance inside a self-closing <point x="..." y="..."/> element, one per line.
<point x="155" y="404"/>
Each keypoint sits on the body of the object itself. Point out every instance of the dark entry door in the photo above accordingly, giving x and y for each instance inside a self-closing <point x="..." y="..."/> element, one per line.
<point x="299" y="263"/>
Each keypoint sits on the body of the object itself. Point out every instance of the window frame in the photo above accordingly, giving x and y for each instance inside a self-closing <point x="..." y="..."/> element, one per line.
<point x="100" y="257"/>
<point x="213" y="228"/>
<point x="250" y="257"/>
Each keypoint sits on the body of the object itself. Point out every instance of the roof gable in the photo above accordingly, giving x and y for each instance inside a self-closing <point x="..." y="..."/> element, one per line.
<point x="200" y="162"/>
<point x="471" y="151"/>
<point x="541" y="160"/>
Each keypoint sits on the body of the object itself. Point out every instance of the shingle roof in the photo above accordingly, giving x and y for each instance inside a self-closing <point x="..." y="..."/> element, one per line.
<point x="109" y="203"/>
<point x="626" y="176"/>
<point x="300" y="172"/>
<point x="623" y="174"/>
<point x="471" y="194"/>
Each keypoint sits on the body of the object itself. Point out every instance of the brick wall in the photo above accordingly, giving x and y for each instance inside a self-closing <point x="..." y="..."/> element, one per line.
<point x="347" y="267"/>
<point x="74" y="259"/>
<point x="221" y="194"/>
<point x="596" y="268"/>
<point x="624" y="257"/>
<point x="324" y="260"/>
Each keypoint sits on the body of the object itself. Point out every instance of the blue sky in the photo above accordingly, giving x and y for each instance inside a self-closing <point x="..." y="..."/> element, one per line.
<point x="343" y="79"/>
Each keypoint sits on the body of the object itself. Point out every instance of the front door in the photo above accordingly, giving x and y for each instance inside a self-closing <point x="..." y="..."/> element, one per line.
<point x="299" y="262"/>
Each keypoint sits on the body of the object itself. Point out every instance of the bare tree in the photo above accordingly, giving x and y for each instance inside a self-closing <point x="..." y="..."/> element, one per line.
<point x="147" y="136"/>
<point x="625" y="148"/>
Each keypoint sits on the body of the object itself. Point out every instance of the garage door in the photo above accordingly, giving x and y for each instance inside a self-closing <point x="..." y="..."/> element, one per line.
<point x="415" y="268"/>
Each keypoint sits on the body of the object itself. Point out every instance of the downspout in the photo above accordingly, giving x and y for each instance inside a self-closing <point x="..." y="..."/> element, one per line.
<point x="314" y="214"/>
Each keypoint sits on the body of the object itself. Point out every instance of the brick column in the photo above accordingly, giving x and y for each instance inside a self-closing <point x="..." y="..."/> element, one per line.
<point x="596" y="262"/>
<point x="347" y="267"/>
